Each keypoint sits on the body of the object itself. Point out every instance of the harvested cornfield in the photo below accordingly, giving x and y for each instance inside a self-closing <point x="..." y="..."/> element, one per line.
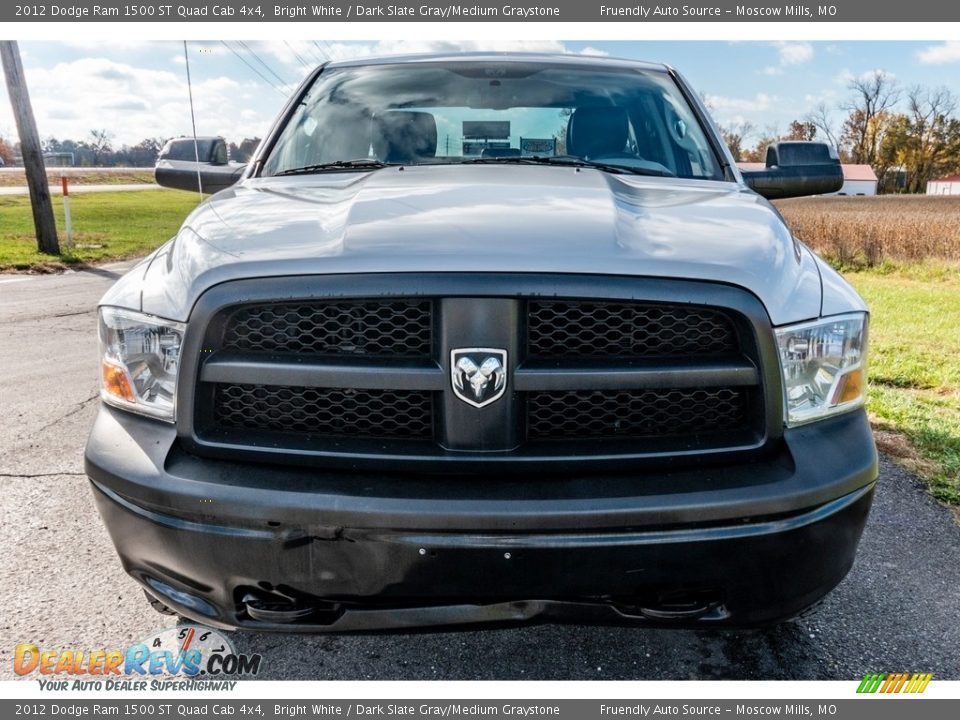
<point x="867" y="231"/>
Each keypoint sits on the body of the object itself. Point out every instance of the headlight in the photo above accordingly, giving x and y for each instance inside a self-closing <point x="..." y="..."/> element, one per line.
<point x="139" y="358"/>
<point x="824" y="366"/>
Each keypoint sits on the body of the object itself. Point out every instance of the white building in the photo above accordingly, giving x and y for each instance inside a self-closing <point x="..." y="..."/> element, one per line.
<point x="858" y="180"/>
<point x="944" y="186"/>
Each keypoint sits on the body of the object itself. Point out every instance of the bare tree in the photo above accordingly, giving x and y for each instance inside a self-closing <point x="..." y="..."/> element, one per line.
<point x="768" y="137"/>
<point x="100" y="144"/>
<point x="932" y="133"/>
<point x="822" y="120"/>
<point x="868" y="113"/>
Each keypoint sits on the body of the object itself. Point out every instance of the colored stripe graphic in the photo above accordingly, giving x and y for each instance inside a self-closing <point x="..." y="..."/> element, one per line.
<point x="894" y="683"/>
<point x="924" y="681"/>
<point x="871" y="682"/>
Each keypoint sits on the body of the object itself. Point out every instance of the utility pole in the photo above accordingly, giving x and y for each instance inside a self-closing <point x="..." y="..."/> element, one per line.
<point x="30" y="148"/>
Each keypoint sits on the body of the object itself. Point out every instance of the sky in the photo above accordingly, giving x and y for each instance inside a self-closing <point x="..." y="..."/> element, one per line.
<point x="137" y="89"/>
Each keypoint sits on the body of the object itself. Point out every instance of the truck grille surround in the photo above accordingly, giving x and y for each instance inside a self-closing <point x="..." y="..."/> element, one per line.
<point x="652" y="373"/>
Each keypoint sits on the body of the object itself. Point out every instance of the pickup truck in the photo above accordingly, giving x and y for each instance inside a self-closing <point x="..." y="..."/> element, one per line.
<point x="479" y="339"/>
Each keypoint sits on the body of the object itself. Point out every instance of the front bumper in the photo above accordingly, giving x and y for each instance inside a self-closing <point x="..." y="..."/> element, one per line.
<point x="297" y="549"/>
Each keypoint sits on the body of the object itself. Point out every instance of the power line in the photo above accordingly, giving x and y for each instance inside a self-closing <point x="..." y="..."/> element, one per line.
<point x="296" y="55"/>
<point x="260" y="74"/>
<point x="269" y="69"/>
<point x="331" y="53"/>
<point x="323" y="53"/>
<point x="317" y="52"/>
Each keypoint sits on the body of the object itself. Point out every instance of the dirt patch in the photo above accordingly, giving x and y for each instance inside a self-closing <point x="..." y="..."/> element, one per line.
<point x="54" y="267"/>
<point x="897" y="446"/>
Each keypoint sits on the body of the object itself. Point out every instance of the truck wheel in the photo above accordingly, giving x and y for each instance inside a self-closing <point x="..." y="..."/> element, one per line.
<point x="158" y="606"/>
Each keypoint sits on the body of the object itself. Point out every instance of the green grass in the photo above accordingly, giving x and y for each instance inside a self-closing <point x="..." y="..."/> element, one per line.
<point x="915" y="368"/>
<point x="106" y="226"/>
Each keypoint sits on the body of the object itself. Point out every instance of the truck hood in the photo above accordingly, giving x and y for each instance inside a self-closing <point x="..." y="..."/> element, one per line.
<point x="481" y="218"/>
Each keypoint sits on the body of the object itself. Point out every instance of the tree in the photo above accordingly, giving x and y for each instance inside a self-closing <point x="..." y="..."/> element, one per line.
<point x="244" y="151"/>
<point x="100" y="144"/>
<point x="759" y="151"/>
<point x="801" y="130"/>
<point x="6" y="151"/>
<point x="143" y="154"/>
<point x="869" y="112"/>
<point x="925" y="140"/>
<point x="822" y="120"/>
<point x="735" y="136"/>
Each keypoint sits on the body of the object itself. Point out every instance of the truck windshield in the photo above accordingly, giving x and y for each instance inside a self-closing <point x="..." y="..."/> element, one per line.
<point x="512" y="112"/>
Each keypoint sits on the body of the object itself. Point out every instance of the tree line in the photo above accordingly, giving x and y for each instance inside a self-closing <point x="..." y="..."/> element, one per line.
<point x="97" y="149"/>
<point x="908" y="135"/>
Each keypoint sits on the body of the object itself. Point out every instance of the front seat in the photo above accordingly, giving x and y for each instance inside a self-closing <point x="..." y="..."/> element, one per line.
<point x="597" y="131"/>
<point x="404" y="136"/>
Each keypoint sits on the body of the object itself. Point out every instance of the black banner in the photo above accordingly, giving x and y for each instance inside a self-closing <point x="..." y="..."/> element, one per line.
<point x="610" y="11"/>
<point x="229" y="708"/>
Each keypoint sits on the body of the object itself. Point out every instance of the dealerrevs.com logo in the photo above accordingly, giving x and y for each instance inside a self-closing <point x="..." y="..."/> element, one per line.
<point x="910" y="683"/>
<point x="185" y="651"/>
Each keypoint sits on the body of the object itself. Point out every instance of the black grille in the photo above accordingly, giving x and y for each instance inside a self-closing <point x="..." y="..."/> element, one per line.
<point x="601" y="371"/>
<point x="397" y="328"/>
<point x="590" y="329"/>
<point x="634" y="413"/>
<point x="324" y="411"/>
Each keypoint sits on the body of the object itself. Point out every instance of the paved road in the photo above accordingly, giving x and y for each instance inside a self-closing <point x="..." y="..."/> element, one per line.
<point x="61" y="585"/>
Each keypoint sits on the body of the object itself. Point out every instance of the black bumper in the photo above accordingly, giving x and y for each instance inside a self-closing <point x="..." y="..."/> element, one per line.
<point x="297" y="549"/>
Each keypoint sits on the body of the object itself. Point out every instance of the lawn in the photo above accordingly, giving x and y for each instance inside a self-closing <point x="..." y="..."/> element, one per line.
<point x="914" y="366"/>
<point x="901" y="253"/>
<point x="106" y="226"/>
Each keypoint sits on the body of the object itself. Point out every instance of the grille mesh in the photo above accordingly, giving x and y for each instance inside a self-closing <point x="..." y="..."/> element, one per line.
<point x="398" y="328"/>
<point x="324" y="411"/>
<point x="634" y="413"/>
<point x="587" y="329"/>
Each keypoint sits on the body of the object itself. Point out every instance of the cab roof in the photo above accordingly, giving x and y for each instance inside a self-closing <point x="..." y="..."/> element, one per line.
<point x="503" y="57"/>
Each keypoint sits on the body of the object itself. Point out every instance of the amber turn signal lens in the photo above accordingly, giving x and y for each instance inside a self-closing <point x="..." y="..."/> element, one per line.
<point x="849" y="388"/>
<point x="116" y="382"/>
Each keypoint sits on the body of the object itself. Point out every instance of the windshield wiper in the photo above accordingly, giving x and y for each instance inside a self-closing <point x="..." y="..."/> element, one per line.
<point x="568" y="162"/>
<point x="362" y="164"/>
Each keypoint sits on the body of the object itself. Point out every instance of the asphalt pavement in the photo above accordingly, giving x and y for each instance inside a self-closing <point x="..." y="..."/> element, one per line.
<point x="61" y="585"/>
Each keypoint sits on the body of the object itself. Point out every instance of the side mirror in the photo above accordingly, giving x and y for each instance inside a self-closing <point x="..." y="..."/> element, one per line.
<point x="796" y="168"/>
<point x="177" y="165"/>
<point x="202" y="177"/>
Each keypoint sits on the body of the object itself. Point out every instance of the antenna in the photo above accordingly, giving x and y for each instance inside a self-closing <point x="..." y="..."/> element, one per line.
<point x="193" y="121"/>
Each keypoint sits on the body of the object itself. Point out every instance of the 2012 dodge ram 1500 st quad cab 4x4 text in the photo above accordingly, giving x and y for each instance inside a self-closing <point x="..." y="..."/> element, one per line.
<point x="485" y="338"/>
